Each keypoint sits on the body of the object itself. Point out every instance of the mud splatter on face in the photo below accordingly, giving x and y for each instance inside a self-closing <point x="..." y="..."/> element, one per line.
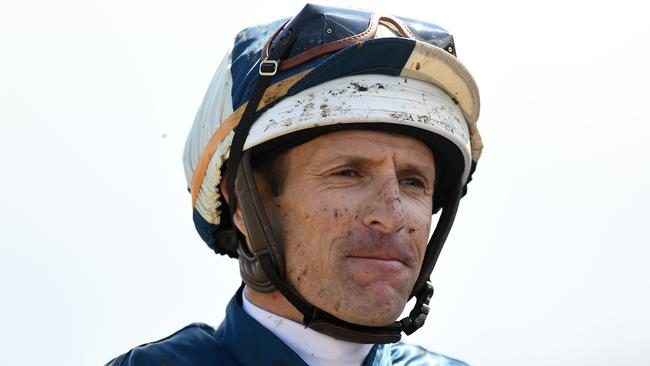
<point x="338" y="212"/>
<point x="302" y="274"/>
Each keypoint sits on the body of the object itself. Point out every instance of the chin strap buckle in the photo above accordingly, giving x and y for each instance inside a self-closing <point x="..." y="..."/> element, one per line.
<point x="419" y="313"/>
<point x="268" y="67"/>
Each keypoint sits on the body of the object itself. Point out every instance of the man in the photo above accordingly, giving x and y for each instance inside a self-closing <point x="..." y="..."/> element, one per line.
<point x="322" y="148"/>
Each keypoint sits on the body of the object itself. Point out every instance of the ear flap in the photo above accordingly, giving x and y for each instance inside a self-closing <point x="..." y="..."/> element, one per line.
<point x="260" y="233"/>
<point x="252" y="272"/>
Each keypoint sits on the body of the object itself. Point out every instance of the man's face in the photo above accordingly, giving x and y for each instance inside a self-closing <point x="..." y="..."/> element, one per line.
<point x="354" y="216"/>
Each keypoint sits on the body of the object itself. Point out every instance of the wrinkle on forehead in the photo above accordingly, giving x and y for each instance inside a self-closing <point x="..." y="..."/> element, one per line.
<point x="365" y="146"/>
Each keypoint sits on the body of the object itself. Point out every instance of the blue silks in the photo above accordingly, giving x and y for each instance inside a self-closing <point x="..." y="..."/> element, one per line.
<point x="241" y="340"/>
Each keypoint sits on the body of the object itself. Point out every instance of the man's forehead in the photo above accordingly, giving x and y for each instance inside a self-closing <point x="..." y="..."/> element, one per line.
<point x="365" y="145"/>
<point x="352" y="139"/>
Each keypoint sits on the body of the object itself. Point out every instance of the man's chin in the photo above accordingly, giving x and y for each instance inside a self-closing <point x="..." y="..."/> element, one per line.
<point x="376" y="277"/>
<point x="375" y="318"/>
<point x="378" y="304"/>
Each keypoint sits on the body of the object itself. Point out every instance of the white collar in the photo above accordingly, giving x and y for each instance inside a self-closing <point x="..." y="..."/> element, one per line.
<point x="316" y="349"/>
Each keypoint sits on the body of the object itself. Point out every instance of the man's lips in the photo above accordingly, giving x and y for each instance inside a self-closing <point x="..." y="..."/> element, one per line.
<point x="377" y="268"/>
<point x="402" y="258"/>
<point x="377" y="257"/>
<point x="380" y="248"/>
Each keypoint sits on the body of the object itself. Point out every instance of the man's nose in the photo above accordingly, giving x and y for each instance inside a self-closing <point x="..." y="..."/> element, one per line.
<point x="385" y="211"/>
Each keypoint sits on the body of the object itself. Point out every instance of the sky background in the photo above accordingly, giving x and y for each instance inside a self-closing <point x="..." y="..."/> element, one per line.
<point x="547" y="262"/>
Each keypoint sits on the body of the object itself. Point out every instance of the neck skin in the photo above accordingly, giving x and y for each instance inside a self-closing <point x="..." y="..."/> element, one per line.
<point x="314" y="348"/>
<point x="275" y="303"/>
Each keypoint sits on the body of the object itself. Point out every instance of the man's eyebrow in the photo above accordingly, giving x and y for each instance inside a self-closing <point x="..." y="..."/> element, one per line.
<point x="361" y="160"/>
<point x="353" y="160"/>
<point x="414" y="167"/>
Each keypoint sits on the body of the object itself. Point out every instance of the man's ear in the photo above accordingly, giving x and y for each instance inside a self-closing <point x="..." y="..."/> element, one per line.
<point x="238" y="219"/>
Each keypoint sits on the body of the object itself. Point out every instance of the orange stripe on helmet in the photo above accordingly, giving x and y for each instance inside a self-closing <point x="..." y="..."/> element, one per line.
<point x="272" y="93"/>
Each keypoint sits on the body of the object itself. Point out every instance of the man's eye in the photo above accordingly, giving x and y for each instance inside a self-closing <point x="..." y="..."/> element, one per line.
<point x="413" y="182"/>
<point x="347" y="173"/>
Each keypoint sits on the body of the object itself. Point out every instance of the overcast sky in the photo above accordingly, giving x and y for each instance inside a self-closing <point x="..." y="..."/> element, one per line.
<point x="547" y="262"/>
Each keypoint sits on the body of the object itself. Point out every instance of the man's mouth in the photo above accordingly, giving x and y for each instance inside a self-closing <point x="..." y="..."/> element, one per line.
<point x="385" y="258"/>
<point x="373" y="269"/>
<point x="399" y="255"/>
<point x="383" y="263"/>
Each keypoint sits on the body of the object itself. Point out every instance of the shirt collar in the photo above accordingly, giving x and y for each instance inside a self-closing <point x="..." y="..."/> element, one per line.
<point x="315" y="348"/>
<point x="249" y="342"/>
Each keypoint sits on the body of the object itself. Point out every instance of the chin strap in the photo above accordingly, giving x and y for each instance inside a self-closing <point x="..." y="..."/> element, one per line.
<point x="269" y="66"/>
<point x="326" y="323"/>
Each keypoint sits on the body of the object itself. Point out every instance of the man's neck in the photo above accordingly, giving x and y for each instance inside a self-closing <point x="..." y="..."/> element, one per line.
<point x="273" y="302"/>
<point x="314" y="348"/>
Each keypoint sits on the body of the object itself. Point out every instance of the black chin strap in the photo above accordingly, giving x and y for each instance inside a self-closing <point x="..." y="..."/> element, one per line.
<point x="268" y="68"/>
<point x="326" y="323"/>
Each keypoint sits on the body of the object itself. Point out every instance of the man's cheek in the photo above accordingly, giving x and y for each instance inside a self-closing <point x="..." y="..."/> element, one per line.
<point x="419" y="236"/>
<point x="324" y="219"/>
